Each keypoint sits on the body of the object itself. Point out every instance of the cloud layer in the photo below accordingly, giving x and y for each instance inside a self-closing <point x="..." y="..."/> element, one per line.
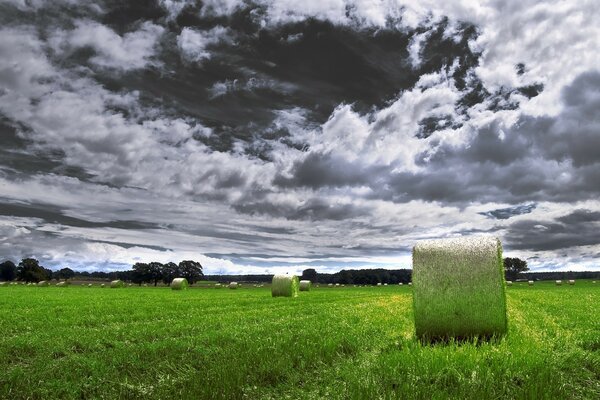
<point x="275" y="135"/>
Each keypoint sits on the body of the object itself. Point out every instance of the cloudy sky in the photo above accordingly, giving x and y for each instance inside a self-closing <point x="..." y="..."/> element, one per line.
<point x="276" y="135"/>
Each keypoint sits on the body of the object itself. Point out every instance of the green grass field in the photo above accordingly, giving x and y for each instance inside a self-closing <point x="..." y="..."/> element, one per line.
<point x="342" y="343"/>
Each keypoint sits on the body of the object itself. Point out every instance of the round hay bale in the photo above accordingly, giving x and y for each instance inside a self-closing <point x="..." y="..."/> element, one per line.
<point x="459" y="288"/>
<point x="508" y="283"/>
<point x="102" y="285"/>
<point x="62" y="284"/>
<point x="305" y="286"/>
<point x="218" y="286"/>
<point x="593" y="281"/>
<point x="90" y="284"/>
<point x="285" y="286"/>
<point x="117" y="284"/>
<point x="571" y="281"/>
<point x="558" y="283"/>
<point x="233" y="285"/>
<point x="530" y="283"/>
<point x="385" y="284"/>
<point x="179" y="284"/>
<point x="4" y="283"/>
<point x="43" y="283"/>
<point x="337" y="285"/>
<point x="409" y="283"/>
<point x="378" y="283"/>
<point x="400" y="284"/>
<point x="330" y="285"/>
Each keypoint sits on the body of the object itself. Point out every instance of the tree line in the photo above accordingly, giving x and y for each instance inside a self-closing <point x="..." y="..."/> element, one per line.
<point x="30" y="270"/>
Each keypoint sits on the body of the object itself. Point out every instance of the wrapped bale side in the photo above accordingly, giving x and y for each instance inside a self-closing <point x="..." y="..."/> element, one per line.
<point x="459" y="288"/>
<point x="305" y="286"/>
<point x="117" y="284"/>
<point x="179" y="284"/>
<point x="285" y="286"/>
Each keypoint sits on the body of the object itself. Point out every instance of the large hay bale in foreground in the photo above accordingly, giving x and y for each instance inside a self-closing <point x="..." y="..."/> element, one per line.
<point x="459" y="288"/>
<point x="233" y="285"/>
<point x="179" y="284"/>
<point x="305" y="286"/>
<point x="117" y="284"/>
<point x="285" y="286"/>
<point x="42" y="283"/>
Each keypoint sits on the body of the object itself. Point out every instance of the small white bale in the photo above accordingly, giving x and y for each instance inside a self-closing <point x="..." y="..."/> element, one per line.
<point x="571" y="281"/>
<point x="218" y="286"/>
<point x="530" y="283"/>
<point x="330" y="284"/>
<point x="117" y="284"/>
<point x="102" y="285"/>
<point x="385" y="284"/>
<point x="508" y="283"/>
<point x="337" y="284"/>
<point x="378" y="283"/>
<point x="90" y="285"/>
<point x="558" y="283"/>
<point x="233" y="285"/>
<point x="409" y="283"/>
<point x="305" y="285"/>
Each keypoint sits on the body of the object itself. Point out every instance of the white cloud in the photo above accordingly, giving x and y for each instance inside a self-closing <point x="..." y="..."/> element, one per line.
<point x="133" y="50"/>
<point x="194" y="44"/>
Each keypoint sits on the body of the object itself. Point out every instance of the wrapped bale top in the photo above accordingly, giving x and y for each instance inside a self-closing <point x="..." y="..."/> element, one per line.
<point x="305" y="286"/>
<point x="459" y="288"/>
<point x="285" y="286"/>
<point x="179" y="284"/>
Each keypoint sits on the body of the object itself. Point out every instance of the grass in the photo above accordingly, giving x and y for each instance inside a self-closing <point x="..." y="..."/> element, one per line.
<point x="343" y="343"/>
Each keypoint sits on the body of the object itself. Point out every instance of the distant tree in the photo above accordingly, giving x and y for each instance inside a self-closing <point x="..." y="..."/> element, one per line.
<point x="8" y="271"/>
<point x="141" y="273"/>
<point x="191" y="270"/>
<point x="29" y="270"/>
<point x="48" y="273"/>
<point x="170" y="271"/>
<point x="309" y="275"/>
<point x="156" y="272"/>
<point x="64" y="273"/>
<point x="513" y="267"/>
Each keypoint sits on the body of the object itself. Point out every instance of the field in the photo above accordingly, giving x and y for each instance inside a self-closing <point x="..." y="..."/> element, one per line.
<point x="330" y="343"/>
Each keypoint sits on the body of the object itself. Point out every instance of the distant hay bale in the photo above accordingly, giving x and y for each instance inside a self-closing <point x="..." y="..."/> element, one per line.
<point x="385" y="284"/>
<point x="4" y="283"/>
<point x="43" y="283"/>
<point x="400" y="284"/>
<point x="61" y="284"/>
<point x="285" y="286"/>
<point x="233" y="285"/>
<point x="305" y="286"/>
<point x="330" y="285"/>
<point x="508" y="283"/>
<point x="102" y="285"/>
<point x="218" y="286"/>
<point x="179" y="284"/>
<point x="90" y="284"/>
<point x="117" y="284"/>
<point x="459" y="288"/>
<point x="378" y="283"/>
<point x="530" y="283"/>
<point x="337" y="285"/>
<point x="571" y="281"/>
<point x="593" y="281"/>
<point x="409" y="283"/>
<point x="145" y="285"/>
<point x="558" y="283"/>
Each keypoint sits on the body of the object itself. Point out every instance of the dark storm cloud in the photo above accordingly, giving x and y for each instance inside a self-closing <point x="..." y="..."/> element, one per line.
<point x="506" y="213"/>
<point x="579" y="228"/>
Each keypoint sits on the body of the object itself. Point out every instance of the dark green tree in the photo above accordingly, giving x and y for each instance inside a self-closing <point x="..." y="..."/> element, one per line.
<point x="64" y="273"/>
<point x="156" y="272"/>
<point x="309" y="275"/>
<point x="513" y="267"/>
<point x="29" y="270"/>
<point x="141" y="273"/>
<point x="8" y="271"/>
<point x="191" y="270"/>
<point x="170" y="271"/>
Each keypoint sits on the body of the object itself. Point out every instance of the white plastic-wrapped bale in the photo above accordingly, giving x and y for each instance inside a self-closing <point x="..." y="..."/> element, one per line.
<point x="337" y="285"/>
<point x="558" y="282"/>
<point x="459" y="288"/>
<point x="530" y="283"/>
<point x="62" y="284"/>
<point x="400" y="284"/>
<point x="330" y="285"/>
<point x="305" y="285"/>
<point x="90" y="285"/>
<point x="508" y="283"/>
<point x="571" y="281"/>
<point x="385" y="284"/>
<point x="285" y="286"/>
<point x="233" y="285"/>
<point x="409" y="283"/>
<point x="179" y="284"/>
<point x="117" y="284"/>
<point x="43" y="283"/>
<point x="218" y="286"/>
<point x="378" y="283"/>
<point x="102" y="285"/>
<point x="4" y="283"/>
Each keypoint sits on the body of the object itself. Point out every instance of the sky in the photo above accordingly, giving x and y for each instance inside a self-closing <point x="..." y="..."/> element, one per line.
<point x="266" y="136"/>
